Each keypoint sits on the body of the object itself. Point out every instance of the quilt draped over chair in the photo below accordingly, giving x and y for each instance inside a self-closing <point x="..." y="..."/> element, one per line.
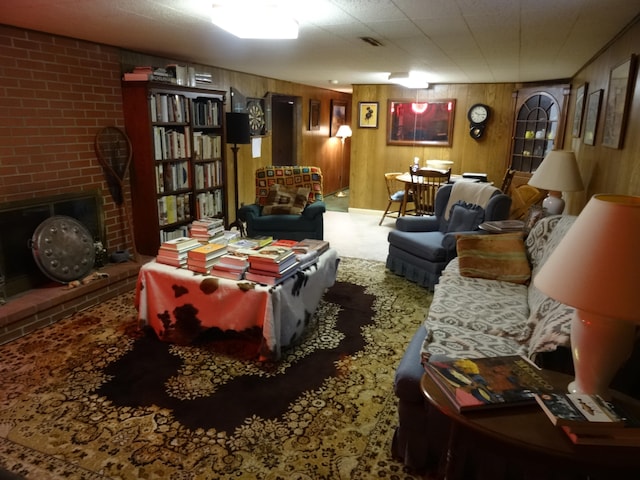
<point x="292" y="181"/>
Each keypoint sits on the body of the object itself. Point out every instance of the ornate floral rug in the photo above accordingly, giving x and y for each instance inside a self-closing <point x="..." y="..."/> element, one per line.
<point x="95" y="397"/>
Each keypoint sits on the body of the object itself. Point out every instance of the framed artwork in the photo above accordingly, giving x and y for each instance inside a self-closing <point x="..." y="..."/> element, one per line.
<point x="314" y="115"/>
<point x="581" y="94"/>
<point x="621" y="79"/>
<point x="420" y="123"/>
<point x="591" y="121"/>
<point x="338" y="116"/>
<point x="368" y="114"/>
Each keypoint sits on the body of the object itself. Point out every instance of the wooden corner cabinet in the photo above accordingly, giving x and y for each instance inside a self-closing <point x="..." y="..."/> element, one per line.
<point x="178" y="166"/>
<point x="540" y="119"/>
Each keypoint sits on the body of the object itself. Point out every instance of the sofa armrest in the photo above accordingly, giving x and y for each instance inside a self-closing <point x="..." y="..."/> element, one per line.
<point x="418" y="224"/>
<point x="249" y="211"/>
<point x="314" y="209"/>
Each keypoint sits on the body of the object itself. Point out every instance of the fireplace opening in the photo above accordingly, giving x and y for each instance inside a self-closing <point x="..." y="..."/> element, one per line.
<point x="19" y="220"/>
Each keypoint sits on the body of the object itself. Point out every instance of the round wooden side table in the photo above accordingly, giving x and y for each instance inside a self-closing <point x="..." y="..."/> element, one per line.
<point x="521" y="443"/>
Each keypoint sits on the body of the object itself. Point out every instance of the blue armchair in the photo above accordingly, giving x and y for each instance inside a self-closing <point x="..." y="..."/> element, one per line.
<point x="295" y="226"/>
<point x="420" y="247"/>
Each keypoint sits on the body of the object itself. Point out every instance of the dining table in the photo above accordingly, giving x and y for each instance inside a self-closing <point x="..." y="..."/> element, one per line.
<point x="406" y="179"/>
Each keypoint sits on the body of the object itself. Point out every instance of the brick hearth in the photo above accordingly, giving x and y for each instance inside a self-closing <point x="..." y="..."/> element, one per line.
<point x="40" y="307"/>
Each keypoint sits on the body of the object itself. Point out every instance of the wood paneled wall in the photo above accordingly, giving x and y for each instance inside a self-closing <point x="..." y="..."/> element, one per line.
<point x="371" y="157"/>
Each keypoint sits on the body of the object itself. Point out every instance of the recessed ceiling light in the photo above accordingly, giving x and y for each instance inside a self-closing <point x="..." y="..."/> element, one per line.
<point x="255" y="21"/>
<point x="412" y="79"/>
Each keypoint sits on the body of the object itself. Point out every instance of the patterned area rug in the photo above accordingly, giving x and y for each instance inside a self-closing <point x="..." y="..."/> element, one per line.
<point x="94" y="397"/>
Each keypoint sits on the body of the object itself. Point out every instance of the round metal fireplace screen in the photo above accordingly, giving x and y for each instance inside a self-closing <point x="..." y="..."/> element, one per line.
<point x="63" y="248"/>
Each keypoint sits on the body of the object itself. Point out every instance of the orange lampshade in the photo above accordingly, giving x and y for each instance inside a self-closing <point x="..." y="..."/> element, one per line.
<point x="596" y="266"/>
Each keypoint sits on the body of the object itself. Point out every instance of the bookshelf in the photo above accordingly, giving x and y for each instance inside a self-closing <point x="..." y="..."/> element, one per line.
<point x="178" y="168"/>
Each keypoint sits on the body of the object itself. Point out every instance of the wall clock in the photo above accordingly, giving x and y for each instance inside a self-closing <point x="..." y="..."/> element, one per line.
<point x="478" y="116"/>
<point x="256" y="116"/>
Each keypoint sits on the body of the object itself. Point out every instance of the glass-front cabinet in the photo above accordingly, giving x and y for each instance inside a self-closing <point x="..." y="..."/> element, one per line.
<point x="540" y="120"/>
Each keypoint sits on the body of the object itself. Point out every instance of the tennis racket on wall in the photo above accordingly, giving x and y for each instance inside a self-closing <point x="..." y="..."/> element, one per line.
<point x="113" y="149"/>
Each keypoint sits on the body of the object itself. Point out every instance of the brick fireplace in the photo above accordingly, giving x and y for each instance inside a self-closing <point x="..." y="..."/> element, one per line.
<point x="56" y="93"/>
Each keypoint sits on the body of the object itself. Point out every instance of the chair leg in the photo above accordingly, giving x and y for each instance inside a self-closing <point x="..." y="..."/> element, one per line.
<point x="385" y="213"/>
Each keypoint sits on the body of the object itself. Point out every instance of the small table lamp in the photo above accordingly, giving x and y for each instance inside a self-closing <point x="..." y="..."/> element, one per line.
<point x="596" y="270"/>
<point x="557" y="173"/>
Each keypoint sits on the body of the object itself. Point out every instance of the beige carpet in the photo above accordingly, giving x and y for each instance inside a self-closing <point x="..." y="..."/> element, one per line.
<point x="60" y="418"/>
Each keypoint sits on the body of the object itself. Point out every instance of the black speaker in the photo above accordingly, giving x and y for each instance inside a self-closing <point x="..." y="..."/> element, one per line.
<point x="238" y="131"/>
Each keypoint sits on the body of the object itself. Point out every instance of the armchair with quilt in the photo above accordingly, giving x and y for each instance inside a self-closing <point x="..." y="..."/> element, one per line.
<point x="289" y="203"/>
<point x="420" y="247"/>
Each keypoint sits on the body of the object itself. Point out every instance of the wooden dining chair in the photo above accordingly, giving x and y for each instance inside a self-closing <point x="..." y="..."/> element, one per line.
<point x="395" y="195"/>
<point x="425" y="183"/>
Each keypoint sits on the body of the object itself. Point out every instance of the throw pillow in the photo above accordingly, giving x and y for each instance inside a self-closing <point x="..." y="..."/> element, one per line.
<point x="465" y="217"/>
<point x="285" y="201"/>
<point x="497" y="257"/>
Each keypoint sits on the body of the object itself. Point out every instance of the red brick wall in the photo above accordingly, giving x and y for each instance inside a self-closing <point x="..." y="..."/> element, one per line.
<point x="55" y="94"/>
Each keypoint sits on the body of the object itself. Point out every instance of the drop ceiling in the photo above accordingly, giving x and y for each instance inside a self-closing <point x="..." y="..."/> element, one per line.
<point x="454" y="41"/>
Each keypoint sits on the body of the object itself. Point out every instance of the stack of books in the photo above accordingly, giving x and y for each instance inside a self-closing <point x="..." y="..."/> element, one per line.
<point x="250" y="243"/>
<point x="308" y="251"/>
<point x="590" y="420"/>
<point x="174" y="252"/>
<point x="272" y="265"/>
<point x="230" y="265"/>
<point x="488" y="382"/>
<point x="207" y="230"/>
<point x="201" y="259"/>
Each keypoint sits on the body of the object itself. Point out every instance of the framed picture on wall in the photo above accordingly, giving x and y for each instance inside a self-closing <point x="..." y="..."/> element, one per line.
<point x="618" y="99"/>
<point x="338" y="116"/>
<point x="368" y="114"/>
<point x="593" y="109"/>
<point x="314" y="115"/>
<point x="581" y="94"/>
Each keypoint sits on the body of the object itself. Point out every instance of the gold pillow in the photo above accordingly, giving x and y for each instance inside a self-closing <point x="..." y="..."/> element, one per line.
<point x="285" y="201"/>
<point x="496" y="257"/>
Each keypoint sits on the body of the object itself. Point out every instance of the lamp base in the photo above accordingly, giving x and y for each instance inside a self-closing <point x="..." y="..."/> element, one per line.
<point x="599" y="347"/>
<point x="553" y="203"/>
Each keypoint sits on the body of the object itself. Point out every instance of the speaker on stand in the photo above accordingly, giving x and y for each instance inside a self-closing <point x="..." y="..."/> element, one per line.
<point x="238" y="133"/>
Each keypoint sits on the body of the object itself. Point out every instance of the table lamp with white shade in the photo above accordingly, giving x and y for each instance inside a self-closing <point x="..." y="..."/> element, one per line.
<point x="557" y="173"/>
<point x="596" y="270"/>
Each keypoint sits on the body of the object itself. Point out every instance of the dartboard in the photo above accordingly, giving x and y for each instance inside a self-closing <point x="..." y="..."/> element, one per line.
<point x="256" y="117"/>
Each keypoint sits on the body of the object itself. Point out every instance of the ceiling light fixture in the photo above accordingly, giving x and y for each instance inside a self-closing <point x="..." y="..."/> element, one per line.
<point x="410" y="79"/>
<point x="255" y="21"/>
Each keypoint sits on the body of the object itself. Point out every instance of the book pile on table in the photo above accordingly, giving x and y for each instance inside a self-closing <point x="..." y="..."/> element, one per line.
<point x="231" y="265"/>
<point x="207" y="230"/>
<point x="308" y="251"/>
<point x="201" y="259"/>
<point x="250" y="243"/>
<point x="272" y="265"/>
<point x="590" y="420"/>
<point x="174" y="251"/>
<point x="488" y="382"/>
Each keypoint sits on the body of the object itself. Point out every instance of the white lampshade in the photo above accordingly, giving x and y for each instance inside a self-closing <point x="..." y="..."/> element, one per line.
<point x="596" y="270"/>
<point x="557" y="173"/>
<point x="344" y="131"/>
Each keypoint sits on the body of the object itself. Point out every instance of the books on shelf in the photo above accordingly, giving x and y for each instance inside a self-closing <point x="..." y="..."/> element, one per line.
<point x="488" y="382"/>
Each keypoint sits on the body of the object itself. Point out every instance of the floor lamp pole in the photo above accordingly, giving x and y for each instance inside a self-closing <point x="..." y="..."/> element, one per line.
<point x="341" y="192"/>
<point x="237" y="222"/>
